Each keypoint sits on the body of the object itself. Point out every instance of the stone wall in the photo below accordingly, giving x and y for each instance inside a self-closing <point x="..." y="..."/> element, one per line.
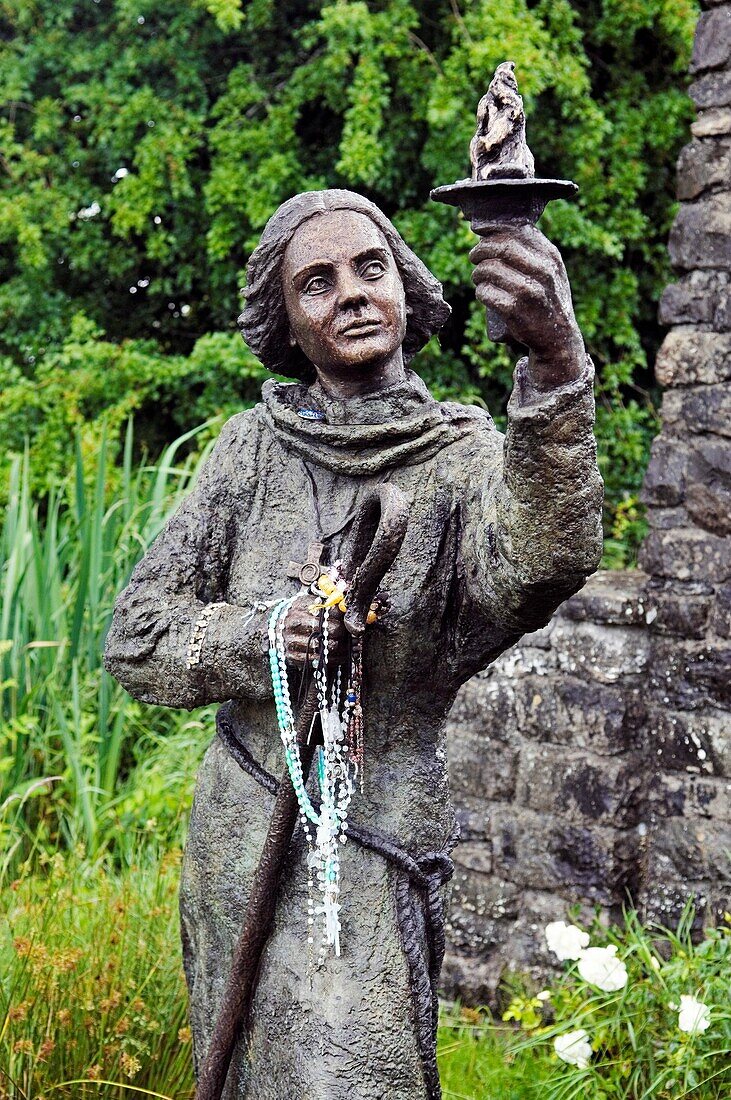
<point x="592" y="763"/>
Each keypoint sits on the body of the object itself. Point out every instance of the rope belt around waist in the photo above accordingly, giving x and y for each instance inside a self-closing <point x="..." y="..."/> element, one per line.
<point x="421" y="879"/>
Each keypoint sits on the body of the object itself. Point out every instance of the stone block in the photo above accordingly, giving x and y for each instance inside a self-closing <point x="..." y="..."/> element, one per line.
<point x="701" y="235"/>
<point x="479" y="765"/>
<point x="613" y="597"/>
<point x="704" y="164"/>
<point x="508" y="944"/>
<point x="580" y="713"/>
<point x="683" y="849"/>
<point x="666" y="519"/>
<point x="580" y="787"/>
<point x="536" y="850"/>
<point x="474" y="856"/>
<point x="680" y="613"/>
<point x="486" y="703"/>
<point x="689" y="355"/>
<point x="478" y="904"/>
<point x="690" y="675"/>
<point x="698" y="409"/>
<point x="664" y="484"/>
<point x="678" y="794"/>
<point x="694" y="299"/>
<point x="708" y="488"/>
<point x="712" y="90"/>
<point x="712" y="44"/>
<point x="722" y="314"/>
<point x="686" y="741"/>
<point x="710" y="507"/>
<point x="685" y="555"/>
<point x="711" y="459"/>
<point x="473" y="818"/>
<point x="605" y="654"/>
<point x="472" y="982"/>
<point x="714" y="122"/>
<point x="527" y="658"/>
<point x="720" y="620"/>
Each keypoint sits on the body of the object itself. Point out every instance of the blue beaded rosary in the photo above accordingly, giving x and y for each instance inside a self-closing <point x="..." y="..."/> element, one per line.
<point x="338" y="759"/>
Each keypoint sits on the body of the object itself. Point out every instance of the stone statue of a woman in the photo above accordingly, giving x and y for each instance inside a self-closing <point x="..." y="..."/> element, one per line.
<point x="501" y="530"/>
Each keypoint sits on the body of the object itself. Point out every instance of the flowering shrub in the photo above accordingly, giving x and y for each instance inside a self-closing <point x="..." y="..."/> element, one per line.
<point x="639" y="1014"/>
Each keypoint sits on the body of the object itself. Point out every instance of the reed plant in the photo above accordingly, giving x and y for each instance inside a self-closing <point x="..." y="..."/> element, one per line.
<point x="92" y="996"/>
<point x="69" y="735"/>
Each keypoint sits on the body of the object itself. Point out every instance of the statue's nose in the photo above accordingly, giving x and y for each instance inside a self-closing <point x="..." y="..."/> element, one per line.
<point x="352" y="291"/>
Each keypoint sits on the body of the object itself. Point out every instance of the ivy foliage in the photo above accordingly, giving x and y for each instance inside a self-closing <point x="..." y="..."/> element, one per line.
<point x="144" y="144"/>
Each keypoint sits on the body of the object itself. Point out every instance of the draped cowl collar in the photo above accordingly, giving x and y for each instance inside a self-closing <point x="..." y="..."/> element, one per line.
<point x="399" y="426"/>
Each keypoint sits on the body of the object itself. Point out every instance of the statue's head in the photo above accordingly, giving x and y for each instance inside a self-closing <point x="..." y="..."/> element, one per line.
<point x="385" y="296"/>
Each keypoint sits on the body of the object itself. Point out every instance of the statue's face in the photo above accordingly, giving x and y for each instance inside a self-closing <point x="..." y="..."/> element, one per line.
<point x="344" y="296"/>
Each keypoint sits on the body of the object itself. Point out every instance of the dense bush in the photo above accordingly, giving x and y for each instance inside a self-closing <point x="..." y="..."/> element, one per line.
<point x="145" y="143"/>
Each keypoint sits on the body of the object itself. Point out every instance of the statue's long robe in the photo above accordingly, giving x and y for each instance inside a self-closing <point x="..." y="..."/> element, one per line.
<point x="501" y="530"/>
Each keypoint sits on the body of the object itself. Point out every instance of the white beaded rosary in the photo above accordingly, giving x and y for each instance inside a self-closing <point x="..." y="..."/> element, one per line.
<point x="339" y="758"/>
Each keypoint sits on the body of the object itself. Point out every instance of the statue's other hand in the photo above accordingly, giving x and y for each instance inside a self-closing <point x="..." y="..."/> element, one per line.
<point x="302" y="639"/>
<point x="521" y="276"/>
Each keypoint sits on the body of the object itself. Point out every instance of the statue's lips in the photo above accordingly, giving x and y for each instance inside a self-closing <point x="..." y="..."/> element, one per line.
<point x="361" y="328"/>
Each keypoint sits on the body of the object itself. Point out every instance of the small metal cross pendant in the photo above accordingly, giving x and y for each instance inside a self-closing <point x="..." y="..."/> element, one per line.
<point x="308" y="571"/>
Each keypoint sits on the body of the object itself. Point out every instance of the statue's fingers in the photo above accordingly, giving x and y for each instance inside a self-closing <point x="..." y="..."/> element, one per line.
<point x="499" y="300"/>
<point x="523" y="288"/>
<point x="522" y="255"/>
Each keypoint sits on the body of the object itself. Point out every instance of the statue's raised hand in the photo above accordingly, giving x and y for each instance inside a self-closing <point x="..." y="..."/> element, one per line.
<point x="520" y="275"/>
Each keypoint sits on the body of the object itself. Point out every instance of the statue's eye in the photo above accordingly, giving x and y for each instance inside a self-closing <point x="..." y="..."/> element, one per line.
<point x="373" y="269"/>
<point x="318" y="284"/>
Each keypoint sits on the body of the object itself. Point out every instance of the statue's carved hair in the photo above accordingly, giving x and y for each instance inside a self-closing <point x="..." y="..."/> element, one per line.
<point x="264" y="324"/>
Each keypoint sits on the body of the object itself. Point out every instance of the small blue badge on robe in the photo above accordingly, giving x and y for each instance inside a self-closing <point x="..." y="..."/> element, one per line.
<point x="310" y="414"/>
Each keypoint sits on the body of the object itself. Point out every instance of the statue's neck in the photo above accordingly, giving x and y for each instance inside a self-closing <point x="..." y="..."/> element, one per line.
<point x="361" y="381"/>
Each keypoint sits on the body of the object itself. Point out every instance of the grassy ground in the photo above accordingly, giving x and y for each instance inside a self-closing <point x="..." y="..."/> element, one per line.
<point x="476" y="1062"/>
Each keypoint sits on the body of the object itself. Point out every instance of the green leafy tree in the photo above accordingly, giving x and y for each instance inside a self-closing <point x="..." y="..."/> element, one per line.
<point x="144" y="145"/>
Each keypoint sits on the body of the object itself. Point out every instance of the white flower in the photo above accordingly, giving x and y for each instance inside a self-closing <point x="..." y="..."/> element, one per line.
<point x="566" y="940"/>
<point x="654" y="963"/>
<point x="87" y="212"/>
<point x="120" y="174"/>
<point x="600" y="967"/>
<point x="574" y="1047"/>
<point x="693" y="1016"/>
<point x="544" y="995"/>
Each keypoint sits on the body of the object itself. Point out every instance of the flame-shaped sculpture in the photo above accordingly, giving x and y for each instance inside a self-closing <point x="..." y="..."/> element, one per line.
<point x="499" y="149"/>
<point x="503" y="188"/>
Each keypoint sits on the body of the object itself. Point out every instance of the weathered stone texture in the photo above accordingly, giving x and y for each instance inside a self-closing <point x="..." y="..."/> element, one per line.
<point x="690" y="355"/>
<point x="607" y="735"/>
<point x="698" y="409"/>
<point x="685" y="554"/>
<point x="712" y="90"/>
<point x="712" y="46"/>
<point x="699" y="298"/>
<point x="704" y="164"/>
<point x="701" y="236"/>
<point x="712" y="123"/>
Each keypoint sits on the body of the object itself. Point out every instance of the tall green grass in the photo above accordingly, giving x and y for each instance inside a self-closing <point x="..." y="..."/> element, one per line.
<point x="69" y="735"/>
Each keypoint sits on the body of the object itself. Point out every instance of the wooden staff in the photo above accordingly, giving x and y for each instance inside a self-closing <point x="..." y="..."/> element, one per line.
<point x="378" y="532"/>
